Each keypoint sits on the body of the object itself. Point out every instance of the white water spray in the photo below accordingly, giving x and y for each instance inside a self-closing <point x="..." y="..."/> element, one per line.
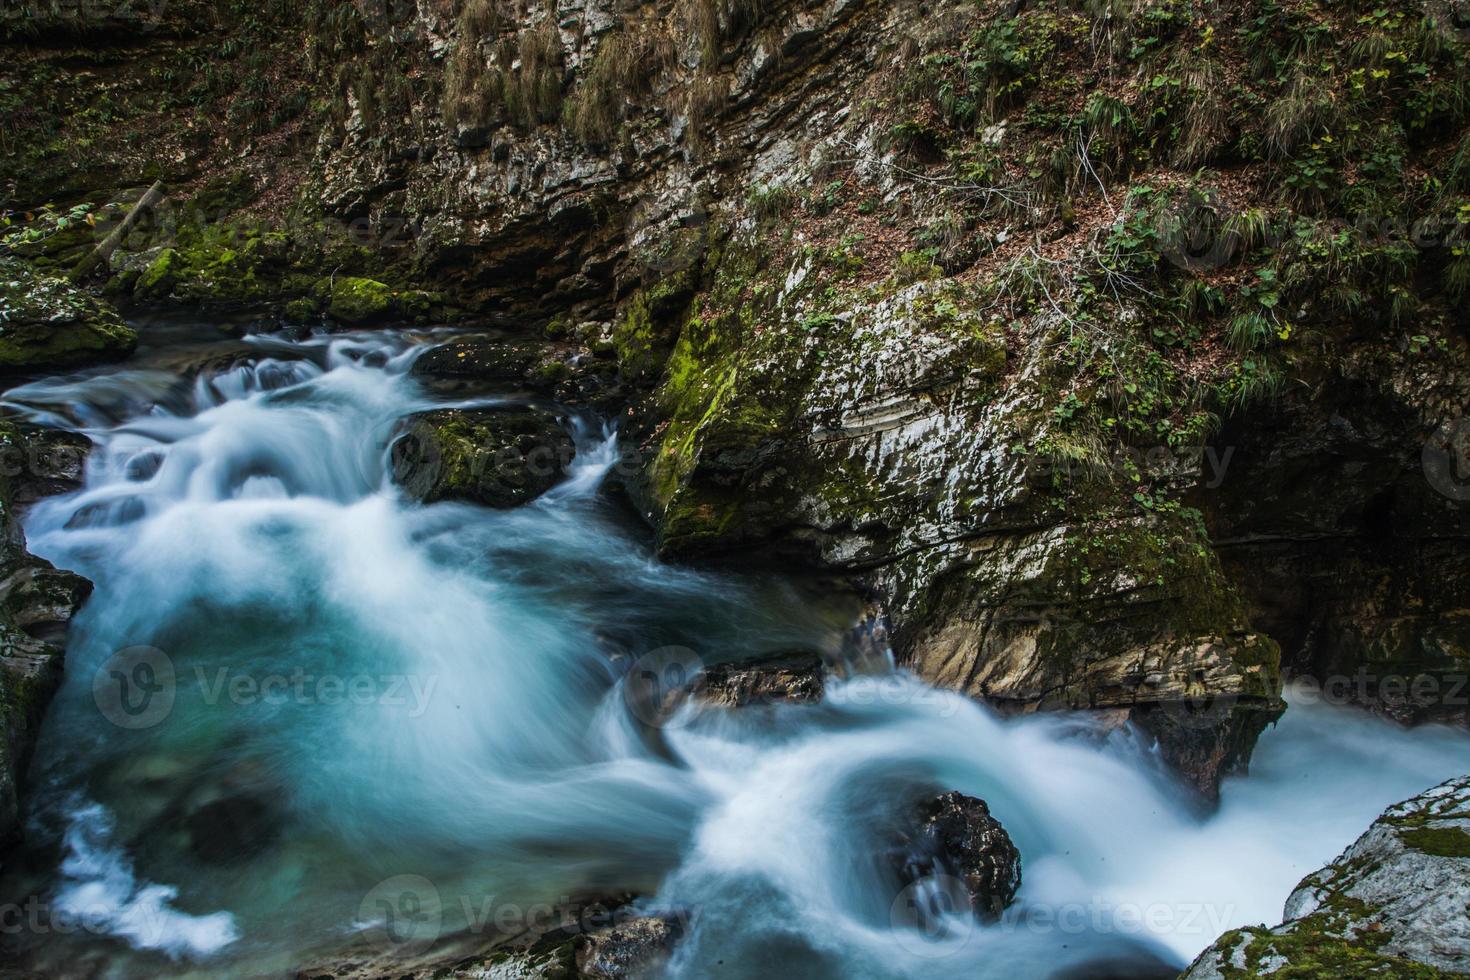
<point x="365" y="688"/>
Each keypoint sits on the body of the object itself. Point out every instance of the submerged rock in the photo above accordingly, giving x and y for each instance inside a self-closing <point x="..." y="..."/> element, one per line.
<point x="499" y="457"/>
<point x="1395" y="903"/>
<point x="956" y="836"/>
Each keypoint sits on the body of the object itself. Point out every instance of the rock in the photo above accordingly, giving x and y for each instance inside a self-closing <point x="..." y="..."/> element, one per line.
<point x="880" y="439"/>
<point x="636" y="950"/>
<point x="499" y="457"/>
<point x="54" y="463"/>
<point x="1395" y="903"/>
<point x="797" y="678"/>
<point x="480" y="362"/>
<point x="37" y="601"/>
<point x="355" y="300"/>
<point x="47" y="324"/>
<point x="956" y="836"/>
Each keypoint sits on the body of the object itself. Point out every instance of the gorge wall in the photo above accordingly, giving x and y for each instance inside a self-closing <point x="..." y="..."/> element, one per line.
<point x="1117" y="350"/>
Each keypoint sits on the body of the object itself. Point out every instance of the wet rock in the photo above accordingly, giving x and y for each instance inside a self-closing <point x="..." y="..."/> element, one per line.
<point x="37" y="601"/>
<point x="1395" y="903"/>
<point x="501" y="457"/>
<point x="632" y="951"/>
<point x="955" y="836"/>
<point x="52" y="462"/>
<point x="797" y="678"/>
<point x="482" y="362"/>
<point x="228" y="818"/>
<point x="47" y="323"/>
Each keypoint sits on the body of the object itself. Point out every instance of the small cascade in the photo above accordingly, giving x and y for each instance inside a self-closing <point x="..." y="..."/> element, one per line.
<point x="293" y="690"/>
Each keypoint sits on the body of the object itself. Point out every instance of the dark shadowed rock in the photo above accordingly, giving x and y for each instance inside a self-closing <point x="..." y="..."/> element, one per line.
<point x="955" y="835"/>
<point x="486" y="362"/>
<point x="52" y="462"/>
<point x="37" y="601"/>
<point x="499" y="457"/>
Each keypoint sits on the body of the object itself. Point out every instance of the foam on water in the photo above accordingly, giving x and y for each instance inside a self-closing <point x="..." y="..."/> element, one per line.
<point x="367" y="688"/>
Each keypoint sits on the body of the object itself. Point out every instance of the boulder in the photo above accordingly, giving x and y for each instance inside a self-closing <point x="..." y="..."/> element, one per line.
<point x="955" y="835"/>
<point x="631" y="951"/>
<point x="482" y="362"/>
<point x="1395" y="903"/>
<point x="46" y="323"/>
<point x="499" y="457"/>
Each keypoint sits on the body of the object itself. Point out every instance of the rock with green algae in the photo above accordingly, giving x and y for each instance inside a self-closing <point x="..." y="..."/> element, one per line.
<point x="500" y="457"/>
<point x="1395" y="903"/>
<point x="354" y="300"/>
<point x="874" y="430"/>
<point x="46" y="323"/>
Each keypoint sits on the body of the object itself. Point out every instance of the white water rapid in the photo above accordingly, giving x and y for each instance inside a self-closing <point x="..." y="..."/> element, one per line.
<point x="364" y="692"/>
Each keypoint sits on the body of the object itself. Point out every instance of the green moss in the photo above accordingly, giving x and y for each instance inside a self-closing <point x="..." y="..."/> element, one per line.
<point x="46" y="322"/>
<point x="1323" y="946"/>
<point x="1438" y="841"/>
<point x="158" y="279"/>
<point x="301" y="309"/>
<point x="354" y="300"/>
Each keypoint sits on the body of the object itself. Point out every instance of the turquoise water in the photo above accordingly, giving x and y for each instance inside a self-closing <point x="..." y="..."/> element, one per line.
<point x="302" y="715"/>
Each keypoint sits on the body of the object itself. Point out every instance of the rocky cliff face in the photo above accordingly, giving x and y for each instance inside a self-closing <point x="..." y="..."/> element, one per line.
<point x="37" y="601"/>
<point x="1100" y="344"/>
<point x="1393" y="904"/>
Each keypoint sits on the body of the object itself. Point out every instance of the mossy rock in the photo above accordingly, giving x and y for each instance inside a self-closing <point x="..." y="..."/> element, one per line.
<point x="354" y="300"/>
<point x="499" y="457"/>
<point x="301" y="309"/>
<point x="157" y="280"/>
<point x="47" y="323"/>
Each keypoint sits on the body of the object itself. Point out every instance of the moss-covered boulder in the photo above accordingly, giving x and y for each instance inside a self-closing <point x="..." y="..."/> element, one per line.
<point x="1396" y="903"/>
<point x="499" y="457"/>
<point x="47" y="323"/>
<point x="354" y="300"/>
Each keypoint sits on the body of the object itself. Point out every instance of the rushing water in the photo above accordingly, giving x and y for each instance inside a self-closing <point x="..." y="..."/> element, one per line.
<point x="302" y="715"/>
